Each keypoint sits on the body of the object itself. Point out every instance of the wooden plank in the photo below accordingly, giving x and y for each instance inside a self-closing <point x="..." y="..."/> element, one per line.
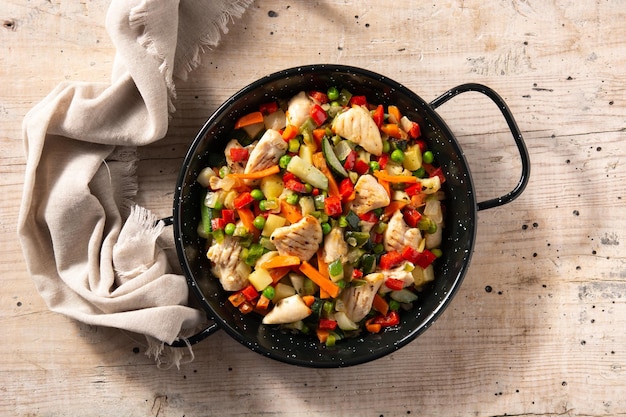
<point x="537" y="327"/>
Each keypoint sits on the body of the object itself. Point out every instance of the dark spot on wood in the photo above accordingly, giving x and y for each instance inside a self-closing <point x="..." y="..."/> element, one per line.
<point x="272" y="13"/>
<point x="19" y="303"/>
<point x="10" y="24"/>
<point x="135" y="350"/>
<point x="488" y="288"/>
<point x="576" y="213"/>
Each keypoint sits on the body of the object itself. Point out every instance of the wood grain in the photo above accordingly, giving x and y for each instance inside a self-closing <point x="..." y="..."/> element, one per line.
<point x="539" y="324"/>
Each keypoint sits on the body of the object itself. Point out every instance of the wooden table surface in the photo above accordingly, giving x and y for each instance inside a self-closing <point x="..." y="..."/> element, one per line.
<point x="539" y="324"/>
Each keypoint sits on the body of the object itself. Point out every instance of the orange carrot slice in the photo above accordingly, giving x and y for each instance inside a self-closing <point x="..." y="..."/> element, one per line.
<point x="394" y="206"/>
<point x="290" y="212"/>
<point x="324" y="283"/>
<point x="274" y="169"/>
<point x="383" y="175"/>
<point x="380" y="305"/>
<point x="279" y="261"/>
<point x="247" y="218"/>
<point x="278" y="273"/>
<point x="290" y="132"/>
<point x="249" y="119"/>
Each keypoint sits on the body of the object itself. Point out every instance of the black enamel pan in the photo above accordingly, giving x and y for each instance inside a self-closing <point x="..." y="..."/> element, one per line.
<point x="460" y="221"/>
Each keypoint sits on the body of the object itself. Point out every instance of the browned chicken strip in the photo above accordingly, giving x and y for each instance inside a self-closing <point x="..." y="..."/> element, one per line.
<point x="301" y="239"/>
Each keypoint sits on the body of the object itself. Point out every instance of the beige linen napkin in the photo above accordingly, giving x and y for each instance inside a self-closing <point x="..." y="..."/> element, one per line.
<point x="93" y="255"/>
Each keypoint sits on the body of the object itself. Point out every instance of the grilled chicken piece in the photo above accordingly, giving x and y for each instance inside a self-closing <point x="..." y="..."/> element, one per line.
<point x="399" y="235"/>
<point x="356" y="125"/>
<point x="287" y="310"/>
<point x="225" y="264"/>
<point x="299" y="109"/>
<point x="369" y="194"/>
<point x="301" y="239"/>
<point x="335" y="247"/>
<point x="358" y="300"/>
<point x="267" y="152"/>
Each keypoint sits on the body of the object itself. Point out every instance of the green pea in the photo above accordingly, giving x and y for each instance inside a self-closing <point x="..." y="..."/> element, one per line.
<point x="374" y="166"/>
<point x="437" y="252"/>
<point x="284" y="161"/>
<point x="332" y="93"/>
<point x="394" y="305"/>
<point x="229" y="229"/>
<point x="397" y="156"/>
<point x="259" y="222"/>
<point x="428" y="157"/>
<point x="263" y="205"/>
<point x="386" y="146"/>
<point x="326" y="228"/>
<point x="257" y="194"/>
<point x="308" y="188"/>
<point x="292" y="198"/>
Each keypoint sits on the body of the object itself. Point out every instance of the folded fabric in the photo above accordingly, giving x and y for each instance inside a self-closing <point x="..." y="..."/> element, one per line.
<point x="92" y="254"/>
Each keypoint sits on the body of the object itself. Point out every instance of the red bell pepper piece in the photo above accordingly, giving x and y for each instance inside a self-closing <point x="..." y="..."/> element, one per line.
<point x="228" y="215"/>
<point x="370" y="217"/>
<point x="379" y="115"/>
<point x="346" y="188"/>
<point x="383" y="160"/>
<point x="217" y="223"/>
<point x="415" y="131"/>
<point x="327" y="324"/>
<point x="350" y="160"/>
<point x="295" y="185"/>
<point x="318" y="114"/>
<point x="361" y="167"/>
<point x="411" y="216"/>
<point x="357" y="274"/>
<point x="239" y="154"/>
<point x="268" y="108"/>
<point x="438" y="172"/>
<point x="249" y="292"/>
<point x="289" y="176"/>
<point x="410" y="254"/>
<point x="422" y="259"/>
<point x="413" y="189"/>
<point x="358" y="101"/>
<point x="319" y="96"/>
<point x="394" y="284"/>
<point x="390" y="260"/>
<point x="332" y="206"/>
<point x="242" y="200"/>
<point x="392" y="318"/>
<point x="426" y="258"/>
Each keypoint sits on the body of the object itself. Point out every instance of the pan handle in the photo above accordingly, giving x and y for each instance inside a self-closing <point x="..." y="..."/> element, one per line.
<point x="517" y="137"/>
<point x="198" y="337"/>
<point x="202" y="334"/>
